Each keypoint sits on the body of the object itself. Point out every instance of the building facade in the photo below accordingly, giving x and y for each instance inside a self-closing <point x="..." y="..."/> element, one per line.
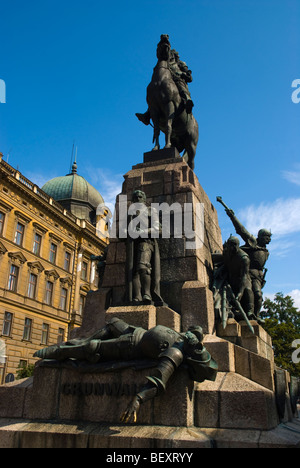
<point x="46" y="269"/>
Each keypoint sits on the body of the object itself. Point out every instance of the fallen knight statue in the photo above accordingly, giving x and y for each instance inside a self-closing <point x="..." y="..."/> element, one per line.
<point x="119" y="341"/>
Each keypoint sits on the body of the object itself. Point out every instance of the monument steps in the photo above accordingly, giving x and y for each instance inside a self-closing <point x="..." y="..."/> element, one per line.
<point x="16" y="433"/>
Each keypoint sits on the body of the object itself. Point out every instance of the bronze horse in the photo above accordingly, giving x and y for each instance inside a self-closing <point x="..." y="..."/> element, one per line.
<point x="167" y="109"/>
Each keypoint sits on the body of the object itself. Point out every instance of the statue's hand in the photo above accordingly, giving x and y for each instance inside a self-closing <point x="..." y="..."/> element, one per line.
<point x="239" y="296"/>
<point x="229" y="212"/>
<point x="131" y="411"/>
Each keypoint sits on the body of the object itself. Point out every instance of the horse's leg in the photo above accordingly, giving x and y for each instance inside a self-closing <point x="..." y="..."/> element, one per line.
<point x="191" y="142"/>
<point x="156" y="131"/>
<point x="170" y="112"/>
<point x="185" y="156"/>
<point x="191" y="158"/>
<point x="189" y="155"/>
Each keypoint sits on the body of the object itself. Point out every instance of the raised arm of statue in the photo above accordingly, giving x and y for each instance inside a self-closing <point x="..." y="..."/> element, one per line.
<point x="240" y="229"/>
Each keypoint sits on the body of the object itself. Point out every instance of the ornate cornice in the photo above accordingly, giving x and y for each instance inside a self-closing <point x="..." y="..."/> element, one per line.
<point x="5" y="206"/>
<point x="36" y="266"/>
<point x="39" y="227"/>
<point x="67" y="281"/>
<point x="22" y="216"/>
<point x="17" y="257"/>
<point x="55" y="237"/>
<point x="3" y="249"/>
<point x="51" y="274"/>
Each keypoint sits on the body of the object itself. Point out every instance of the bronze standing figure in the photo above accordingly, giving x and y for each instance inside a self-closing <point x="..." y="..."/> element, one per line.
<point x="256" y="248"/>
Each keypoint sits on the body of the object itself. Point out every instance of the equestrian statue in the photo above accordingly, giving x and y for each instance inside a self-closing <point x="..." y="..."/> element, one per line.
<point x="170" y="104"/>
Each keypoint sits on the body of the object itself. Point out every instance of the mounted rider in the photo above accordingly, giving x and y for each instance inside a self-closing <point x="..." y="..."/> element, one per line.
<point x="181" y="75"/>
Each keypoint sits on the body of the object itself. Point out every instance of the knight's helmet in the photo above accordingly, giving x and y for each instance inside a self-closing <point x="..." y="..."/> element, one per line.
<point x="231" y="242"/>
<point x="264" y="232"/>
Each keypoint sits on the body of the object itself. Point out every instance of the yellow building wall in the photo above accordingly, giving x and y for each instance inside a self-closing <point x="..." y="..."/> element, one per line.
<point x="21" y="200"/>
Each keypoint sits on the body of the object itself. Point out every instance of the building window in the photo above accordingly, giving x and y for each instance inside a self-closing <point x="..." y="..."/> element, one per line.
<point x="13" y="278"/>
<point x="81" y="304"/>
<point x="45" y="333"/>
<point x="61" y="335"/>
<point x="63" y="299"/>
<point x="19" y="234"/>
<point x="2" y="218"/>
<point x="84" y="269"/>
<point x="37" y="244"/>
<point x="53" y="252"/>
<point x="49" y="292"/>
<point x="7" y="324"/>
<point x="32" y="286"/>
<point x="27" y="329"/>
<point x="67" y="263"/>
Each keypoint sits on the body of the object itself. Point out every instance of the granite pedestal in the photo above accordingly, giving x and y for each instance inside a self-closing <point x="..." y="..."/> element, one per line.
<point x="248" y="405"/>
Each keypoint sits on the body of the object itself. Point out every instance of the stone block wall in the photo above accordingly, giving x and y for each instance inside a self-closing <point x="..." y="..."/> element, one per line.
<point x="169" y="181"/>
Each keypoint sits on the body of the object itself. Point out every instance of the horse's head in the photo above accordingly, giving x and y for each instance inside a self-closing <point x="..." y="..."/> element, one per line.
<point x="163" y="48"/>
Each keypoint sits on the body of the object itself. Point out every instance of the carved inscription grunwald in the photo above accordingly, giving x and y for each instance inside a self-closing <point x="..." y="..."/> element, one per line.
<point x="99" y="389"/>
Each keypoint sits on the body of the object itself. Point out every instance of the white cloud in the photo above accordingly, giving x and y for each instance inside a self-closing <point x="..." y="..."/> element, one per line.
<point x="293" y="176"/>
<point x="106" y="182"/>
<point x="281" y="216"/>
<point x="38" y="178"/>
<point x="281" y="248"/>
<point x="295" y="294"/>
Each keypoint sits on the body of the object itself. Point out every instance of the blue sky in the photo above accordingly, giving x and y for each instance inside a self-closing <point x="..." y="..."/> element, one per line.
<point x="78" y="70"/>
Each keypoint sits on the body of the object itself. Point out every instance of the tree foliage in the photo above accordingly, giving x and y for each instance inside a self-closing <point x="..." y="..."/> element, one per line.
<point x="25" y="371"/>
<point x="282" y="322"/>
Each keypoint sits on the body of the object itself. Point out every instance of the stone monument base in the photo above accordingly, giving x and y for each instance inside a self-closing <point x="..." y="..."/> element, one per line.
<point x="22" y="433"/>
<point x="66" y="405"/>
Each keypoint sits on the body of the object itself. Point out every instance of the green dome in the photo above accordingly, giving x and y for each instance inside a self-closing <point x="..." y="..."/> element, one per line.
<point x="74" y="192"/>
